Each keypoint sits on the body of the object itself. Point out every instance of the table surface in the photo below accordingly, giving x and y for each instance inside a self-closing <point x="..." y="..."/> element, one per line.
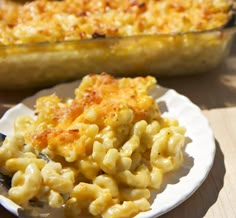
<point x="215" y="93"/>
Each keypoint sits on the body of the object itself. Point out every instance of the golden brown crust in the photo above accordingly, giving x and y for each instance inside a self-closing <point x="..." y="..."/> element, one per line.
<point x="102" y="100"/>
<point x="46" y="20"/>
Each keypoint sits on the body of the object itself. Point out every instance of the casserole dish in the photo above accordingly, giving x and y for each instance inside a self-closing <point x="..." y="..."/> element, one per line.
<point x="44" y="63"/>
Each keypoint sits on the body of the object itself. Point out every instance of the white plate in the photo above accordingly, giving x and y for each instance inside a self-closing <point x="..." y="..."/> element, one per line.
<point x="177" y="186"/>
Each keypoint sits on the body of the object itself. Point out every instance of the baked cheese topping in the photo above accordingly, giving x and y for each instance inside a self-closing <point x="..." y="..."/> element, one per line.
<point x="50" y="21"/>
<point x="100" y="99"/>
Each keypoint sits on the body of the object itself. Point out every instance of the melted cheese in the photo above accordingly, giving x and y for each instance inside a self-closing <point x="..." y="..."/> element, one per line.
<point x="68" y="128"/>
<point x="49" y="21"/>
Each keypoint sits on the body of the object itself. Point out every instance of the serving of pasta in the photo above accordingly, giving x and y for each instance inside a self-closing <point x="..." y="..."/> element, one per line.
<point x="100" y="153"/>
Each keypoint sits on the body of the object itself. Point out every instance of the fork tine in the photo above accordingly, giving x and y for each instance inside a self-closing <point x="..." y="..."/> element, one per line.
<point x="2" y="138"/>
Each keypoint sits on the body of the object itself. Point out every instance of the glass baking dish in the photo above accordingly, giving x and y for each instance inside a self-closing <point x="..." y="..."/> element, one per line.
<point x="45" y="64"/>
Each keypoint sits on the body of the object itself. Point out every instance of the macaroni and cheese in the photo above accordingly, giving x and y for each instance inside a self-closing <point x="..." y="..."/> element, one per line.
<point x="46" y="20"/>
<point x="49" y="41"/>
<point x="104" y="150"/>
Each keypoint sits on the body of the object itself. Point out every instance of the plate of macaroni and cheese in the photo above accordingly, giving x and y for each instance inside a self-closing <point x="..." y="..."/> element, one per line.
<point x="103" y="147"/>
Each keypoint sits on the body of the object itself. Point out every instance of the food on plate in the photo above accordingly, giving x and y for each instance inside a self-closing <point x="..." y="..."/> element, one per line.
<point x="104" y="150"/>
<point x="50" y="21"/>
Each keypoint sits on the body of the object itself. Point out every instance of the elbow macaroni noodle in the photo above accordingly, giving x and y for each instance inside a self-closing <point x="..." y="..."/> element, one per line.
<point x="106" y="148"/>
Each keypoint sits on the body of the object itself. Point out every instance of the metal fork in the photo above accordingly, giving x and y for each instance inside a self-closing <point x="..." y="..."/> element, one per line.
<point x="33" y="211"/>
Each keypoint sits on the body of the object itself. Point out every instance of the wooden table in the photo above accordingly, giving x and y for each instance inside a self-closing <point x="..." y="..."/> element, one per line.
<point x="215" y="94"/>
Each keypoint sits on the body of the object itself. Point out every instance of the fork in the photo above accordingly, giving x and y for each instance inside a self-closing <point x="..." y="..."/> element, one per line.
<point x="33" y="211"/>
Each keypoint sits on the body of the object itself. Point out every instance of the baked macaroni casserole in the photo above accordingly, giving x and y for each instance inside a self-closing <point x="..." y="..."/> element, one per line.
<point x="99" y="153"/>
<point x="51" y="20"/>
<point x="44" y="42"/>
